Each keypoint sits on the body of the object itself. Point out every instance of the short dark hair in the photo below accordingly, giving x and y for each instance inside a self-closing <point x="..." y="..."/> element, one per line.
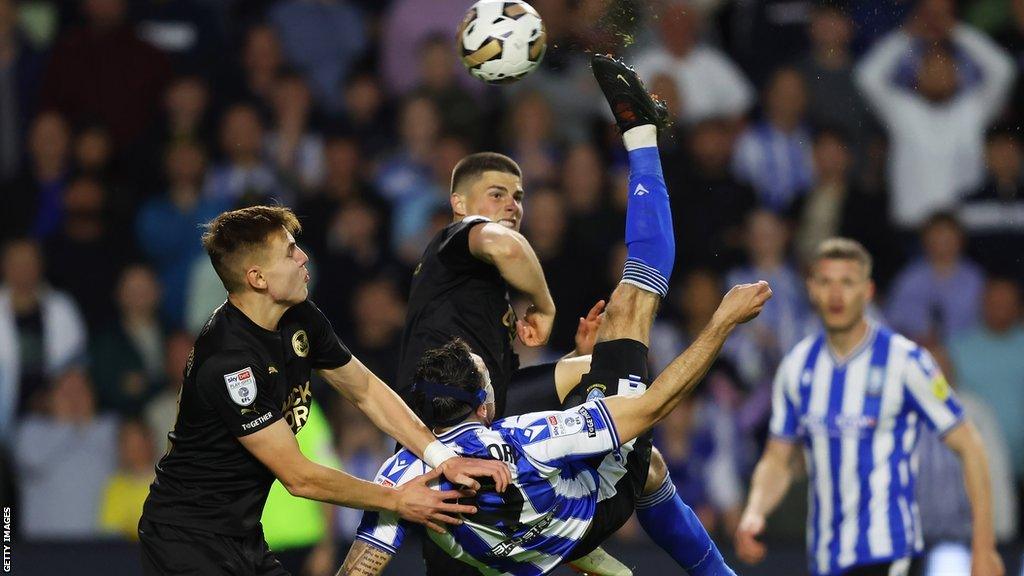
<point x="239" y="233"/>
<point x="450" y="365"/>
<point x="474" y="165"/>
<point x="844" y="249"/>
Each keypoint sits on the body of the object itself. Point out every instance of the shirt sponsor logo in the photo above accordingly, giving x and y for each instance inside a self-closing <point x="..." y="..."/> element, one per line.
<point x="506" y="547"/>
<point x="241" y="386"/>
<point x="261" y="420"/>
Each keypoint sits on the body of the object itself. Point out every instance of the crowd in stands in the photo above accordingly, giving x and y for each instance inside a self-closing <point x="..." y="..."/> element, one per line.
<point x="126" y="125"/>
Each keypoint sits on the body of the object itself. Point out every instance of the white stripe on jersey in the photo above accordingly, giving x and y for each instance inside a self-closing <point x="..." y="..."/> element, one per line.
<point x="547" y="509"/>
<point x="859" y="420"/>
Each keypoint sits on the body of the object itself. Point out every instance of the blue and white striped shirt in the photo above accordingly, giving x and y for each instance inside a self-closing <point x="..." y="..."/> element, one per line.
<point x="859" y="420"/>
<point x="536" y="523"/>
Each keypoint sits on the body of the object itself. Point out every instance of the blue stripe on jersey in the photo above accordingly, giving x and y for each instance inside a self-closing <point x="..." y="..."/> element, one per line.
<point x="835" y="452"/>
<point x="806" y="378"/>
<point x="865" y="456"/>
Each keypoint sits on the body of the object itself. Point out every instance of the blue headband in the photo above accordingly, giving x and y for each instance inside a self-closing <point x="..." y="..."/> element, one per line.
<point x="432" y="390"/>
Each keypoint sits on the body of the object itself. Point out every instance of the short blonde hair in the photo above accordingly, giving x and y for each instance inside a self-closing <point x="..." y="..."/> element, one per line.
<point x="843" y="249"/>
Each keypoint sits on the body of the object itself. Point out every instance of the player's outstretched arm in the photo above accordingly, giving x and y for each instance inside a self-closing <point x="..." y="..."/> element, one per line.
<point x="275" y="446"/>
<point x="517" y="263"/>
<point x="364" y="560"/>
<point x="635" y="415"/>
<point x="392" y="416"/>
<point x="966" y="443"/>
<point x="772" y="477"/>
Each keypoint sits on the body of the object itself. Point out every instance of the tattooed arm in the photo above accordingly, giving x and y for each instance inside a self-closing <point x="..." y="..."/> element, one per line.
<point x="364" y="560"/>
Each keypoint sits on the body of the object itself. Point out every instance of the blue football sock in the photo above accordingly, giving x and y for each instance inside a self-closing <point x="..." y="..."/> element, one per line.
<point x="650" y="242"/>
<point x="675" y="528"/>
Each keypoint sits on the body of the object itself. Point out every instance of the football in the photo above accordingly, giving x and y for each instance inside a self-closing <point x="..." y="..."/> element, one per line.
<point x="501" y="41"/>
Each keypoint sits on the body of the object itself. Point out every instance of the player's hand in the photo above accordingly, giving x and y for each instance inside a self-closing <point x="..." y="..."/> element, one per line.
<point x="462" y="470"/>
<point x="748" y="548"/>
<point x="742" y="303"/>
<point x="534" y="328"/>
<point x="586" y="332"/>
<point x="986" y="563"/>
<point x="418" y="503"/>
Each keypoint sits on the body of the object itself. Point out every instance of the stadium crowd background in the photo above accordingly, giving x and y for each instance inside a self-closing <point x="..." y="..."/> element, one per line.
<point x="124" y="126"/>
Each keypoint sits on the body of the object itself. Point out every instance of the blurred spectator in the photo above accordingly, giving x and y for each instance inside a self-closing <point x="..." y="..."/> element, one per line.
<point x="438" y="80"/>
<point x="243" y="177"/>
<point x="41" y="333"/>
<point x="989" y="361"/>
<point x="832" y="98"/>
<point x="699" y="444"/>
<point x="937" y="132"/>
<point x="354" y="250"/>
<point x="774" y="155"/>
<point x="296" y="151"/>
<point x="592" y="224"/>
<point x="939" y="294"/>
<point x="127" y="355"/>
<point x="532" y="138"/>
<point x="186" y="30"/>
<point x="993" y="215"/>
<point x="572" y="275"/>
<point x="102" y="71"/>
<point x="34" y="196"/>
<point x="323" y="38"/>
<point x="184" y="117"/>
<point x="167" y="227"/>
<point x="260" y="63"/>
<point x="86" y="254"/>
<point x="405" y="178"/>
<point x="404" y="29"/>
<point x="945" y="509"/>
<point x="299" y="530"/>
<point x="709" y="84"/>
<point x="20" y="69"/>
<point x="709" y="206"/>
<point x="64" y="458"/>
<point x="836" y="206"/>
<point x="379" y="312"/>
<point x="344" y="181"/>
<point x="162" y="410"/>
<point x="763" y="342"/>
<point x="127" y="488"/>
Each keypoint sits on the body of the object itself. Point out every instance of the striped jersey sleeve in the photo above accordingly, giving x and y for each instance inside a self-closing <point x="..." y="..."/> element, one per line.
<point x="785" y="419"/>
<point x="930" y="394"/>
<point x="385" y="530"/>
<point x="555" y="437"/>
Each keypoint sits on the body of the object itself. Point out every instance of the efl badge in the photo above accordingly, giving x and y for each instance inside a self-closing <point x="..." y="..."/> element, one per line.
<point x="241" y="386"/>
<point x="300" y="343"/>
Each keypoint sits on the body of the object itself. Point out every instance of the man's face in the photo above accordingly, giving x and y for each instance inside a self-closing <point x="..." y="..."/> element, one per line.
<point x="488" y="405"/>
<point x="283" y="268"/>
<point x="840" y="290"/>
<point x="495" y="195"/>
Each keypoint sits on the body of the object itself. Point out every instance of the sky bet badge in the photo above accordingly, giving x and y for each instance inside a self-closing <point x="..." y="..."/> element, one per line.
<point x="241" y="386"/>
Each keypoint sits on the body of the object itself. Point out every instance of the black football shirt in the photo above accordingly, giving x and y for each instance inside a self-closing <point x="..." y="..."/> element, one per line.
<point x="239" y="379"/>
<point x="456" y="294"/>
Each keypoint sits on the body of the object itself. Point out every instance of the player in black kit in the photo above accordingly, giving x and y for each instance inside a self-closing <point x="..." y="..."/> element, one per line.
<point x="246" y="393"/>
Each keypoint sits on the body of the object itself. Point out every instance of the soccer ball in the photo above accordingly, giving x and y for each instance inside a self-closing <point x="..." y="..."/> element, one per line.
<point x="501" y="41"/>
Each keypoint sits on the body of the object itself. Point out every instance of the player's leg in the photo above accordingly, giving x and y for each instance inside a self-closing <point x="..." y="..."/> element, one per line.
<point x="673" y="526"/>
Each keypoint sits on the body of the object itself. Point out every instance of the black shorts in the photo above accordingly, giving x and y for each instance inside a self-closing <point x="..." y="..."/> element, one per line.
<point x="175" y="550"/>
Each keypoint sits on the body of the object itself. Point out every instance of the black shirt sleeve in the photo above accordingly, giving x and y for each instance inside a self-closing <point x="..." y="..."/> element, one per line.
<point x="327" y="351"/>
<point x="235" y="385"/>
<point x="454" y="250"/>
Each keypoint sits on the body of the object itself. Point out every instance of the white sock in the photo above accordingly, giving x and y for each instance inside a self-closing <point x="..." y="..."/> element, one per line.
<point x="644" y="136"/>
